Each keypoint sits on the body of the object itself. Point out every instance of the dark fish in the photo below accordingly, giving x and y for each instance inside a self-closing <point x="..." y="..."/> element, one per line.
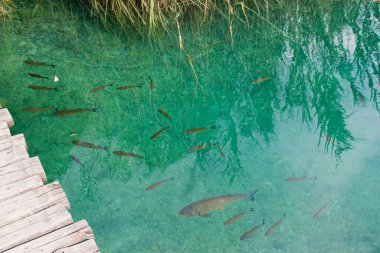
<point x="273" y="228"/>
<point x="154" y="186"/>
<point x="36" y="87"/>
<point x="38" y="63"/>
<point x="37" y="76"/>
<point x="260" y="80"/>
<point x="122" y="153"/>
<point x="318" y="213"/>
<point x="158" y="133"/>
<point x="251" y="232"/>
<point x="87" y="145"/>
<point x="73" y="111"/>
<point x="101" y="88"/>
<point x="74" y="158"/>
<point x="203" y="207"/>
<point x="37" y="109"/>
<point x="129" y="87"/>
<point x="237" y="217"/>
<point x="163" y="113"/>
<point x="151" y="85"/>
<point x="299" y="179"/>
<point x="198" y="130"/>
<point x="195" y="148"/>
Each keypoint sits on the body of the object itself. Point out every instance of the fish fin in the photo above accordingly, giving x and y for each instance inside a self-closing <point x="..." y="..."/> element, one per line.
<point x="251" y="195"/>
<point x="206" y="215"/>
<point x="172" y="178"/>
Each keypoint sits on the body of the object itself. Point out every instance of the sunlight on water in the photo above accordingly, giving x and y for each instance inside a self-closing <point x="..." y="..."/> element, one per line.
<point x="291" y="109"/>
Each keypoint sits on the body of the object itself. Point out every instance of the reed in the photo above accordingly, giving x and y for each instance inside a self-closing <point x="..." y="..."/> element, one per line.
<point x="6" y="8"/>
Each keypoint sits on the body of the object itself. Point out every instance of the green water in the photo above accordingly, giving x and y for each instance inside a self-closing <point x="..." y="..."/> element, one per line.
<point x="317" y="116"/>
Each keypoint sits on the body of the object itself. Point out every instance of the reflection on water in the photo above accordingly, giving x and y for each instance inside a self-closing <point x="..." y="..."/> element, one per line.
<point x="314" y="114"/>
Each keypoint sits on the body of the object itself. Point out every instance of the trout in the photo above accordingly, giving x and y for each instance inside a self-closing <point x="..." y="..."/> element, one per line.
<point x="318" y="213"/>
<point x="198" y="130"/>
<point x="38" y="63"/>
<point x="76" y="159"/>
<point x="37" y="76"/>
<point x="274" y="228"/>
<point x="126" y="154"/>
<point x="154" y="186"/>
<point x="129" y="87"/>
<point x="65" y="113"/>
<point x="237" y="217"/>
<point x="251" y="232"/>
<point x="163" y="113"/>
<point x="37" y="109"/>
<point x="300" y="179"/>
<point x="101" y="88"/>
<point x="195" y="148"/>
<point x="36" y="87"/>
<point x="205" y="206"/>
<point x="260" y="80"/>
<point x="151" y="85"/>
<point x="87" y="145"/>
<point x="158" y="133"/>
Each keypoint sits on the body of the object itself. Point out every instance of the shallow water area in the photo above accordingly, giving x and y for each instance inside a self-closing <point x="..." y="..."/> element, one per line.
<point x="293" y="95"/>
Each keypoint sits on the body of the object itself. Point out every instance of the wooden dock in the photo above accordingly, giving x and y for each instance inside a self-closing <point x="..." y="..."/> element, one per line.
<point x="34" y="216"/>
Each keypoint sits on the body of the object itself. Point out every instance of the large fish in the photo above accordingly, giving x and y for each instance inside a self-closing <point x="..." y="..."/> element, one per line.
<point x="87" y="145"/>
<point x="36" y="87"/>
<point x="101" y="88"/>
<point x="158" y="133"/>
<point x="73" y="111"/>
<point x="129" y="87"/>
<point x="126" y="154"/>
<point x="251" y="232"/>
<point x="37" y="76"/>
<point x="205" y="206"/>
<point x="38" y="63"/>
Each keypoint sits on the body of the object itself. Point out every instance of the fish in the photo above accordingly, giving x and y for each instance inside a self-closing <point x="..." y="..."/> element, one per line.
<point x="151" y="85"/>
<point x="65" y="113"/>
<point x="87" y="145"/>
<point x="129" y="87"/>
<point x="163" y="113"/>
<point x="158" y="133"/>
<point x="37" y="76"/>
<point x="260" y="80"/>
<point x="101" y="88"/>
<point x="36" y="87"/>
<point x="221" y="150"/>
<point x="198" y="130"/>
<point x="237" y="217"/>
<point x="251" y="232"/>
<point x="273" y="228"/>
<point x="321" y="210"/>
<point x="195" y="148"/>
<point x="38" y="63"/>
<point x="74" y="158"/>
<point x="37" y="109"/>
<point x="299" y="179"/>
<point x="126" y="154"/>
<point x="155" y="185"/>
<point x="205" y="206"/>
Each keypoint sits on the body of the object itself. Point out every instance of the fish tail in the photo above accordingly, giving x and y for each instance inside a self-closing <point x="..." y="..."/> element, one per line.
<point x="105" y="148"/>
<point x="263" y="222"/>
<point x="172" y="178"/>
<point x="52" y="65"/>
<point x="252" y="209"/>
<point x="212" y="127"/>
<point x="95" y="109"/>
<point x="56" y="89"/>
<point x="251" y="195"/>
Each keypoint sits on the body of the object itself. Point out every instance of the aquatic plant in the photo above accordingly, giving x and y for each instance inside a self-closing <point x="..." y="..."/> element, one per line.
<point x="6" y="8"/>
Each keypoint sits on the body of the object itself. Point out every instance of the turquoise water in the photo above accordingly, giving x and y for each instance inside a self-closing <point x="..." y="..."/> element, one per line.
<point x="316" y="116"/>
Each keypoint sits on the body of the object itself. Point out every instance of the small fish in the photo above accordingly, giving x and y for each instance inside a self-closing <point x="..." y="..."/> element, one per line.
<point x="126" y="154"/>
<point x="101" y="88"/>
<point x="74" y="158"/>
<point x="155" y="185"/>
<point x="65" y="113"/>
<point x="158" y="133"/>
<point x="198" y="130"/>
<point x="37" y="76"/>
<point x="87" y="145"/>
<point x="318" y="213"/>
<point x="37" y="109"/>
<point x="260" y="80"/>
<point x="203" y="207"/>
<point x="129" y="87"/>
<point x="251" y="232"/>
<point x="237" y="217"/>
<point x="273" y="228"/>
<point x="299" y="179"/>
<point x="221" y="150"/>
<point x="151" y="85"/>
<point x="36" y="87"/>
<point x="38" y="63"/>
<point x="163" y="113"/>
<point x="195" y="148"/>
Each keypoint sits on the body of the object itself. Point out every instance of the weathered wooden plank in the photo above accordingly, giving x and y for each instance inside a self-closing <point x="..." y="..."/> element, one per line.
<point x="51" y="239"/>
<point x="26" y="204"/>
<point x="22" y="164"/>
<point x="19" y="187"/>
<point x="6" y="116"/>
<point x="12" y="155"/>
<point x="4" y="132"/>
<point x="12" y="141"/>
<point x="22" y="174"/>
<point x="88" y="246"/>
<point x="34" y="226"/>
